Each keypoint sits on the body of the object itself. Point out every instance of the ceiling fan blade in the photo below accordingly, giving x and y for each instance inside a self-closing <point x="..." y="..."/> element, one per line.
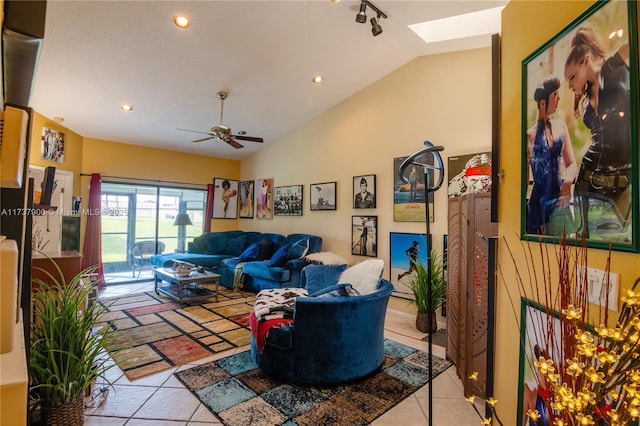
<point x="248" y="138"/>
<point x="195" y="131"/>
<point x="204" y="139"/>
<point x="233" y="143"/>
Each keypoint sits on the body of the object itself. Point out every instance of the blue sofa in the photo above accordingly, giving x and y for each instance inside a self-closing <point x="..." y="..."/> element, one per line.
<point x="223" y="251"/>
<point x="284" y="268"/>
<point x="330" y="339"/>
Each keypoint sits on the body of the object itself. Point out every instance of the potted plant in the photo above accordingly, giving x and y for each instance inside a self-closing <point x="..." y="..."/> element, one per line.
<point x="419" y="284"/>
<point x="67" y="352"/>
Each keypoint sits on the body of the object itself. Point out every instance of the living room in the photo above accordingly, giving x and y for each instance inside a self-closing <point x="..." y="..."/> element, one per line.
<point x="429" y="87"/>
<point x="444" y="98"/>
<point x="324" y="156"/>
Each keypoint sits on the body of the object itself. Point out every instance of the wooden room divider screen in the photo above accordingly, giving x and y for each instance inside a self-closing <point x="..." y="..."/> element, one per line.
<point x="469" y="340"/>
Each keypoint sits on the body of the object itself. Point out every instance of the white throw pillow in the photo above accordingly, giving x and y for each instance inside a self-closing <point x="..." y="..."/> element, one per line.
<point x="326" y="258"/>
<point x="363" y="276"/>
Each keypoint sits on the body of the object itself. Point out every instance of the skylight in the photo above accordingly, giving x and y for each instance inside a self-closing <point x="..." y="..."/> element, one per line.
<point x="460" y="26"/>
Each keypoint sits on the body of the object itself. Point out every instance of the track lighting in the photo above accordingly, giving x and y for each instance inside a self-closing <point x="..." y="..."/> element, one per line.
<point x="361" y="16"/>
<point x="376" y="29"/>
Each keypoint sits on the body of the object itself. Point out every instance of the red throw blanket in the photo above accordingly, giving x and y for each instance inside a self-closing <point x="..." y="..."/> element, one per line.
<point x="261" y="329"/>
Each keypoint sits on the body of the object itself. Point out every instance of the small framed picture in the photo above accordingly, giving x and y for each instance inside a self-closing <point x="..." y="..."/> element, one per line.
<point x="246" y="199"/>
<point x="225" y="198"/>
<point x="364" y="236"/>
<point x="364" y="192"/>
<point x="288" y="200"/>
<point x="264" y="198"/>
<point x="322" y="196"/>
<point x="52" y="148"/>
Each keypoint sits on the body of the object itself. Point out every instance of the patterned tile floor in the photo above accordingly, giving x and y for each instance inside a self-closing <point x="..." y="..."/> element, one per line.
<point x="160" y="399"/>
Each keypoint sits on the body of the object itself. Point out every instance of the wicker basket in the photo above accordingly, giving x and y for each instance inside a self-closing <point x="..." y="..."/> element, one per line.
<point x="422" y="323"/>
<point x="69" y="414"/>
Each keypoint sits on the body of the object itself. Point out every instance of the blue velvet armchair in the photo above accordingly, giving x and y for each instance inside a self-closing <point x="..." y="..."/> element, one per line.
<point x="331" y="339"/>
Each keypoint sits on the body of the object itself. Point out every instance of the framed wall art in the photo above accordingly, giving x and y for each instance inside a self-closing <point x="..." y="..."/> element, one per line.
<point x="540" y="335"/>
<point x="364" y="192"/>
<point x="52" y="148"/>
<point x="225" y="198"/>
<point x="579" y="158"/>
<point x="288" y="200"/>
<point x="469" y="174"/>
<point x="364" y="236"/>
<point x="322" y="196"/>
<point x="246" y="199"/>
<point x="409" y="198"/>
<point x="405" y="249"/>
<point x="264" y="198"/>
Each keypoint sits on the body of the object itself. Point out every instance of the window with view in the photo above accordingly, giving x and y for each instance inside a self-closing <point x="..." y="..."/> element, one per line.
<point x="133" y="213"/>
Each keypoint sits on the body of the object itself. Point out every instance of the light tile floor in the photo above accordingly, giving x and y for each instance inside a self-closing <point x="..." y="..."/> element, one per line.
<point x="160" y="399"/>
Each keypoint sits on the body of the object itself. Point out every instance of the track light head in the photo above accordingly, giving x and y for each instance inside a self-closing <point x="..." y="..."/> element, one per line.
<point x="376" y="29"/>
<point x="361" y="17"/>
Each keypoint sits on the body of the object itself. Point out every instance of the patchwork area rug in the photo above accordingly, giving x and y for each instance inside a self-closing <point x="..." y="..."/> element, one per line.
<point x="239" y="394"/>
<point x="151" y="333"/>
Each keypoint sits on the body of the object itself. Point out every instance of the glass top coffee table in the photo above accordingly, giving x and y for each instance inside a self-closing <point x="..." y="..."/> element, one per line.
<point x="185" y="288"/>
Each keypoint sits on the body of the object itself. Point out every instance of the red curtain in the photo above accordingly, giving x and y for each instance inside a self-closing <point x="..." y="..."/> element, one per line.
<point x="92" y="253"/>
<point x="208" y="214"/>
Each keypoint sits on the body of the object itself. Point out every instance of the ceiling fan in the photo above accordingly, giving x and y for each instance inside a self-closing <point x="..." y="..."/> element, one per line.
<point x="222" y="132"/>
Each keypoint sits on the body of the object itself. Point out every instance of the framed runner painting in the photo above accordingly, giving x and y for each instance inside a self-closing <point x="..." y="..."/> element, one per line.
<point x="404" y="250"/>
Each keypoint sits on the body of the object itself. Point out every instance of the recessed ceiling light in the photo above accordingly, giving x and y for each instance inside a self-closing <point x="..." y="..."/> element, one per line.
<point x="58" y="120"/>
<point x="318" y="79"/>
<point x="181" y="21"/>
<point x="460" y="26"/>
<point x="126" y="107"/>
<point x="335" y="1"/>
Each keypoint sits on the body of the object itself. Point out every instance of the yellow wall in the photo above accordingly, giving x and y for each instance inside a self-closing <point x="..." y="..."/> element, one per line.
<point x="526" y="26"/>
<point x="120" y="159"/>
<point x="72" y="148"/>
<point x="86" y="155"/>
<point x="444" y="98"/>
<point x="123" y="160"/>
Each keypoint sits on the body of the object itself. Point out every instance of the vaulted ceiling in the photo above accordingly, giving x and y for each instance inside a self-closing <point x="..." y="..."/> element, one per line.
<point x="97" y="55"/>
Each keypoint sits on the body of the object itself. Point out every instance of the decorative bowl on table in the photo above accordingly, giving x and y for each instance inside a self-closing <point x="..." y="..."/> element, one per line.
<point x="182" y="269"/>
<point x="183" y="272"/>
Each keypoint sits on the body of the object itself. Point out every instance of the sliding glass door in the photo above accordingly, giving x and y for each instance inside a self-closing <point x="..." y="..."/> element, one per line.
<point x="138" y="219"/>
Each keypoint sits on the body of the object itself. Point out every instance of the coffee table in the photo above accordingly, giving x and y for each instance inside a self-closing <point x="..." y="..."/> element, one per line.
<point x="185" y="289"/>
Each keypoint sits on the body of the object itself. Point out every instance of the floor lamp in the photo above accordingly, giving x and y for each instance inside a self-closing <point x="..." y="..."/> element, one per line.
<point x="431" y="162"/>
<point x="182" y="221"/>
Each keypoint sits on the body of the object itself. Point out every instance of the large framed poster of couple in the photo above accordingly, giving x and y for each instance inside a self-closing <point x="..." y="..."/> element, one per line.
<point x="579" y="132"/>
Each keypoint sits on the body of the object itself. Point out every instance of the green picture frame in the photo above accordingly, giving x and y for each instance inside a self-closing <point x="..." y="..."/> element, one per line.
<point x="540" y="330"/>
<point x="579" y="132"/>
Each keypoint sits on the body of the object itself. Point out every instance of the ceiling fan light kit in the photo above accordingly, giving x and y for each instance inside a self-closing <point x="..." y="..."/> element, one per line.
<point x="222" y="132"/>
<point x="361" y="16"/>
